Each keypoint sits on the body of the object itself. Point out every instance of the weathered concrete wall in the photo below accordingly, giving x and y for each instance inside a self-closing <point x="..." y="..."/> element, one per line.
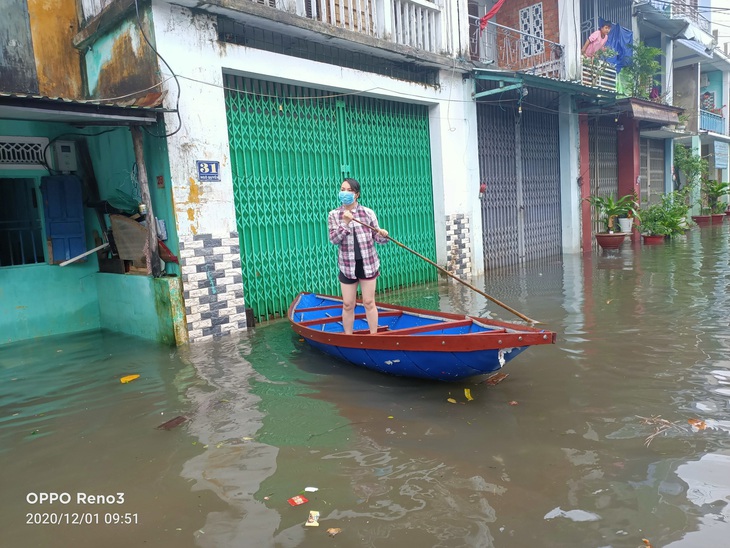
<point x="53" y="24"/>
<point x="120" y="63"/>
<point x="17" y="67"/>
<point x="686" y="93"/>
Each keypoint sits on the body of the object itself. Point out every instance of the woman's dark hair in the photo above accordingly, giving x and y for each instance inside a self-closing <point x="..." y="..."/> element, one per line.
<point x="354" y="185"/>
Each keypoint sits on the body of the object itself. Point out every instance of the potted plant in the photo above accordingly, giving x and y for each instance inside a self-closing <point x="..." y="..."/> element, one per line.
<point x="653" y="227"/>
<point x="677" y="210"/>
<point x="713" y="191"/>
<point x="609" y="210"/>
<point x="626" y="220"/>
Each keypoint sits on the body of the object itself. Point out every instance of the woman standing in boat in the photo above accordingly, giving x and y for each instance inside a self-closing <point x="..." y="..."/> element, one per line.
<point x="357" y="259"/>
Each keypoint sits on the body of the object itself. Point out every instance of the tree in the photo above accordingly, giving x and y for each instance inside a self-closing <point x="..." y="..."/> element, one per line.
<point x="691" y="165"/>
<point x="638" y="74"/>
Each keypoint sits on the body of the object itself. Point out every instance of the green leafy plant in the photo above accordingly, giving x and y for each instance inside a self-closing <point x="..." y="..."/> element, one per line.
<point x="677" y="207"/>
<point x="712" y="191"/>
<point x="667" y="218"/>
<point x="691" y="165"/>
<point x="598" y="64"/>
<point x="683" y="118"/>
<point x="610" y="209"/>
<point x="653" y="221"/>
<point x="639" y="74"/>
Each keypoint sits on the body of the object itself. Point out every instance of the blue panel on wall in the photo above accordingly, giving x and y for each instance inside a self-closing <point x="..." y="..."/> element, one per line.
<point x="64" y="214"/>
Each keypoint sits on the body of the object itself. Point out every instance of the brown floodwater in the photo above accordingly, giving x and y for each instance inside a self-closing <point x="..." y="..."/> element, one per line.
<point x="619" y="432"/>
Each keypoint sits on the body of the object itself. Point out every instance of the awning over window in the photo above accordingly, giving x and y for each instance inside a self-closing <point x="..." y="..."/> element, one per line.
<point x="696" y="46"/>
<point x="649" y="111"/>
<point x="138" y="111"/>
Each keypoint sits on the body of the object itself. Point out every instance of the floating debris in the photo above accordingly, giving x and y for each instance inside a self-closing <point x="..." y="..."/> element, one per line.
<point x="513" y="402"/>
<point x="573" y="515"/>
<point x="313" y="519"/>
<point x="467" y="394"/>
<point x="697" y="423"/>
<point x="128" y="378"/>
<point x="661" y="426"/>
<point x="172" y="423"/>
<point x="495" y="379"/>
<point x="332" y="531"/>
<point x="311" y="489"/>
<point x="297" y="500"/>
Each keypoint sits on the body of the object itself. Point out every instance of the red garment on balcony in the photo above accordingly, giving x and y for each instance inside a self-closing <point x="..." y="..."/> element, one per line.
<point x="491" y="13"/>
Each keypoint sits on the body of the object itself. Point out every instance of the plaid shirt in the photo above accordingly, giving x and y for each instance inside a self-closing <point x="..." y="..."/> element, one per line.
<point x="343" y="236"/>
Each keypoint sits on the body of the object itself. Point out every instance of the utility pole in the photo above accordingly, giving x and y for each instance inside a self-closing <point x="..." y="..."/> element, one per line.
<point x="152" y="254"/>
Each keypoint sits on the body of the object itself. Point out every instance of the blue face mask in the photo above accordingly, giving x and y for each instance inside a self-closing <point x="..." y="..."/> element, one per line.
<point x="346" y="197"/>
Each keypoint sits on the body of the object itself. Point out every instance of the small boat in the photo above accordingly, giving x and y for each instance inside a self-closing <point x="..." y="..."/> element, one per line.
<point x="411" y="342"/>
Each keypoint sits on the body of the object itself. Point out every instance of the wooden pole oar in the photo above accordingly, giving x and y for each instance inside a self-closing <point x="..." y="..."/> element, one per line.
<point x="441" y="269"/>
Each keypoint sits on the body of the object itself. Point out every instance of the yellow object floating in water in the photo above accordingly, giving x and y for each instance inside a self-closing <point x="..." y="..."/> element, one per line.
<point x="128" y="378"/>
<point x="467" y="393"/>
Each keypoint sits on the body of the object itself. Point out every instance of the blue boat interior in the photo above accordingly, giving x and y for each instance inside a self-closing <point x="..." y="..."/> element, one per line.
<point x="324" y="314"/>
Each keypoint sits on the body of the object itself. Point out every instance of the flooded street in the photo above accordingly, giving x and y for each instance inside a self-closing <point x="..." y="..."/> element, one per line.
<point x="558" y="454"/>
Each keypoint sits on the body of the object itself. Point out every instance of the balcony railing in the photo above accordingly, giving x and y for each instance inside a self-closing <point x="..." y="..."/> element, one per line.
<point x="709" y="121"/>
<point x="683" y="9"/>
<point x="510" y="49"/>
<point x="413" y="23"/>
<point x="598" y="75"/>
<point x="416" y="23"/>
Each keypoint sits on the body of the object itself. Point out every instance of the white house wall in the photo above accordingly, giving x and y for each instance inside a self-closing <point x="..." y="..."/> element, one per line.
<point x="205" y="210"/>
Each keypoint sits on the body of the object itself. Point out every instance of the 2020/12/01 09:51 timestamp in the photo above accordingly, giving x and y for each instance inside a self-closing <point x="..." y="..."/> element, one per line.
<point x="81" y="518"/>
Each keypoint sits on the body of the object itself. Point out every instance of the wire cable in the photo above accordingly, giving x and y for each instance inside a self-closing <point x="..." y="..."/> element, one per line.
<point x="177" y="103"/>
<point x="44" y="162"/>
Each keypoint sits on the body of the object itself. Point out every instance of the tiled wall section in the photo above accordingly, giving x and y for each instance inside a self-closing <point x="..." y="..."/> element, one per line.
<point x="458" y="245"/>
<point x="212" y="285"/>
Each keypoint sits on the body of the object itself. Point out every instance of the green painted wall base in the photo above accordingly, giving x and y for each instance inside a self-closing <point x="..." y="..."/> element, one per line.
<point x="43" y="300"/>
<point x="140" y="305"/>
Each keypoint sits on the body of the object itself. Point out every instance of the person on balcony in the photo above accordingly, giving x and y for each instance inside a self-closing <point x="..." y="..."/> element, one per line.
<point x="597" y="40"/>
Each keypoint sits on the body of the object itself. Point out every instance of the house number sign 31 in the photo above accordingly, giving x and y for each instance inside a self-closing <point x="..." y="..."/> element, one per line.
<point x="208" y="171"/>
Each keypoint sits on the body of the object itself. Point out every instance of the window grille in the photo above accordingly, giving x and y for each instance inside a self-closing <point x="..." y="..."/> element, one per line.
<point x="531" y="23"/>
<point x="21" y="240"/>
<point x="23" y="152"/>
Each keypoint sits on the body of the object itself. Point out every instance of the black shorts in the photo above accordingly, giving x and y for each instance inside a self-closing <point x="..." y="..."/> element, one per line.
<point x="359" y="274"/>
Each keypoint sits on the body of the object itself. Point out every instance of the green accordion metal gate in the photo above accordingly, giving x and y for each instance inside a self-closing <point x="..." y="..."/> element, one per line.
<point x="290" y="148"/>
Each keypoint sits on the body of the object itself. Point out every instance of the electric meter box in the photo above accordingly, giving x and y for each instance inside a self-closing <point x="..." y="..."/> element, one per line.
<point x="64" y="153"/>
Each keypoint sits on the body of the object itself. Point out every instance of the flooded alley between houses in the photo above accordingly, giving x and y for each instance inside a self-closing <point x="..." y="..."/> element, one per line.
<point x="562" y="452"/>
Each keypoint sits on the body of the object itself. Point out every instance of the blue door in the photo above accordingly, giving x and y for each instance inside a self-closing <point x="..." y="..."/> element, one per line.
<point x="64" y="215"/>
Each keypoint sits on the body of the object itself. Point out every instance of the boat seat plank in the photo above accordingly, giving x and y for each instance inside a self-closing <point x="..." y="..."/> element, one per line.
<point x="381" y="329"/>
<point x="437" y="327"/>
<point x="335" y="319"/>
<point x="315" y="308"/>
